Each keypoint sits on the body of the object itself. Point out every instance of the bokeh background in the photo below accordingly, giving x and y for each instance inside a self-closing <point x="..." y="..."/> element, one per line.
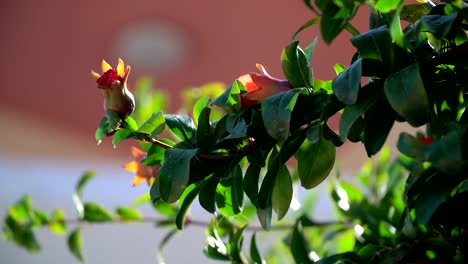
<point x="50" y="106"/>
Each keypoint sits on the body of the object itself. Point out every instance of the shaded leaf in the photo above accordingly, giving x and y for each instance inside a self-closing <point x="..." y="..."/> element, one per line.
<point x="255" y="254"/>
<point x="181" y="126"/>
<point x="74" y="243"/>
<point x="251" y="178"/>
<point x="230" y="194"/>
<point x="296" y="66"/>
<point x="207" y="195"/>
<point x="154" y="125"/>
<point x="282" y="192"/>
<point x="299" y="246"/>
<point x="186" y="200"/>
<point x="346" y="85"/>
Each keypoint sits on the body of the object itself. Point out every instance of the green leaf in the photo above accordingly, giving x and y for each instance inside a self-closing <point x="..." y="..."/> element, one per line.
<point x="174" y="173"/>
<point x="264" y="216"/>
<point x="395" y="29"/>
<point x="251" y="178"/>
<point x="101" y="131"/>
<point x="255" y="254"/>
<point x="77" y="195"/>
<point x="446" y="154"/>
<point x="95" y="213"/>
<point x="346" y="85"/>
<point x="386" y="6"/>
<point x="406" y="94"/>
<point x="207" y="195"/>
<point x="282" y="192"/>
<point x="296" y="66"/>
<point x="375" y="44"/>
<point x="186" y="201"/>
<point x="129" y="214"/>
<point x="204" y="131"/>
<point x="154" y="125"/>
<point x="376" y="135"/>
<point x="368" y="95"/>
<point x="155" y="193"/>
<point x="439" y="25"/>
<point x="315" y="161"/>
<point x="334" y="20"/>
<point x="299" y="246"/>
<point x="230" y="194"/>
<point x="74" y="243"/>
<point x="131" y="124"/>
<point x="166" y="209"/>
<point x="276" y="113"/>
<point x="57" y="222"/>
<point x="169" y="235"/>
<point x="120" y="135"/>
<point x="199" y="106"/>
<point x="142" y="199"/>
<point x="230" y="99"/>
<point x="21" y="233"/>
<point x="235" y="245"/>
<point x="182" y="126"/>
<point x="347" y="257"/>
<point x="114" y="120"/>
<point x="307" y="24"/>
<point x="21" y="211"/>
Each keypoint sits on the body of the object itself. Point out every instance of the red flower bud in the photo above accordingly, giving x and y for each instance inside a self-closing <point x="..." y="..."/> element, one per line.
<point x="260" y="86"/>
<point x="426" y="140"/>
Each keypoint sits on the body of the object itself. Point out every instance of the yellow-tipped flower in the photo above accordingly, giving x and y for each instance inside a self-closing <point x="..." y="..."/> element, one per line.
<point x="113" y="83"/>
<point x="142" y="172"/>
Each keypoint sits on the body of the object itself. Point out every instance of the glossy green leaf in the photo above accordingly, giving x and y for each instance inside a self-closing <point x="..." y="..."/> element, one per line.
<point x="311" y="22"/>
<point x="375" y="136"/>
<point x="155" y="192"/>
<point x="406" y="94"/>
<point x="230" y="99"/>
<point x="299" y="246"/>
<point x="386" y="6"/>
<point x="207" y="195"/>
<point x="129" y="214"/>
<point x="446" y="154"/>
<point x="120" y="135"/>
<point x="114" y="120"/>
<point x="181" y="126"/>
<point x="186" y="200"/>
<point x="174" y="173"/>
<point x="346" y="85"/>
<point x="375" y="44"/>
<point x="347" y="257"/>
<point x="255" y="254"/>
<point x="276" y="113"/>
<point x="166" y="209"/>
<point x="74" y="243"/>
<point x="199" y="106"/>
<point x="296" y="66"/>
<point x="334" y="20"/>
<point x="251" y="178"/>
<point x="368" y="95"/>
<point x="95" y="213"/>
<point x="154" y="125"/>
<point x="315" y="161"/>
<point x="411" y="146"/>
<point x="282" y="192"/>
<point x="57" y="222"/>
<point x="230" y="194"/>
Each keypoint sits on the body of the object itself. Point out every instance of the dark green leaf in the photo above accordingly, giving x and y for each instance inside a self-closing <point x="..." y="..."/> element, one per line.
<point x="307" y="24"/>
<point x="204" y="131"/>
<point x="315" y="161"/>
<point x="406" y="94"/>
<point x="57" y="222"/>
<point x="174" y="173"/>
<point x="378" y="122"/>
<point x="255" y="254"/>
<point x="347" y="257"/>
<point x="207" y="195"/>
<point x="114" y="120"/>
<point x="375" y="44"/>
<point x="276" y="113"/>
<point x="21" y="234"/>
<point x="230" y="194"/>
<point x="182" y="126"/>
<point x="368" y="95"/>
<point x="413" y="12"/>
<point x="230" y="99"/>
<point x="155" y="190"/>
<point x="129" y="214"/>
<point x="74" y="244"/>
<point x="251" y="178"/>
<point x="411" y="146"/>
<point x="346" y="85"/>
<point x="446" y="154"/>
<point x="334" y="20"/>
<point x="296" y="66"/>
<point x="282" y="192"/>
<point x="264" y="216"/>
<point x="299" y="246"/>
<point x="439" y="25"/>
<point x="95" y="213"/>
<point x="154" y="125"/>
<point x="186" y="200"/>
<point x="121" y="135"/>
<point x="235" y="245"/>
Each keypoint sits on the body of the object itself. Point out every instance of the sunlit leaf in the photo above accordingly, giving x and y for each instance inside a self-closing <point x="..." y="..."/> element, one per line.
<point x="129" y="214"/>
<point x="74" y="243"/>
<point x="95" y="213"/>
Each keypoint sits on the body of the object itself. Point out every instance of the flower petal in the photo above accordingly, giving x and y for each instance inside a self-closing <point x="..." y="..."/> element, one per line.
<point x="132" y="166"/>
<point x="105" y="66"/>
<point x="95" y="75"/>
<point x="138" y="154"/>
<point x="246" y="80"/>
<point x="137" y="180"/>
<point x="121" y="68"/>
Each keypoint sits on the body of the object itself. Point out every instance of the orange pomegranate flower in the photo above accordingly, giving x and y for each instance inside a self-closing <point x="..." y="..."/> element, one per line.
<point x="142" y="172"/>
<point x="113" y="83"/>
<point x="260" y="86"/>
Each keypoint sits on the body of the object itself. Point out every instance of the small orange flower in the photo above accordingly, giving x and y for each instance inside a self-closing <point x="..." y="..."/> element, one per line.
<point x="113" y="83"/>
<point x="260" y="86"/>
<point x="143" y="172"/>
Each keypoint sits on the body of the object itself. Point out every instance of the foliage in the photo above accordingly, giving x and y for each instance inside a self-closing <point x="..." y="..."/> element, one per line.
<point x="405" y="211"/>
